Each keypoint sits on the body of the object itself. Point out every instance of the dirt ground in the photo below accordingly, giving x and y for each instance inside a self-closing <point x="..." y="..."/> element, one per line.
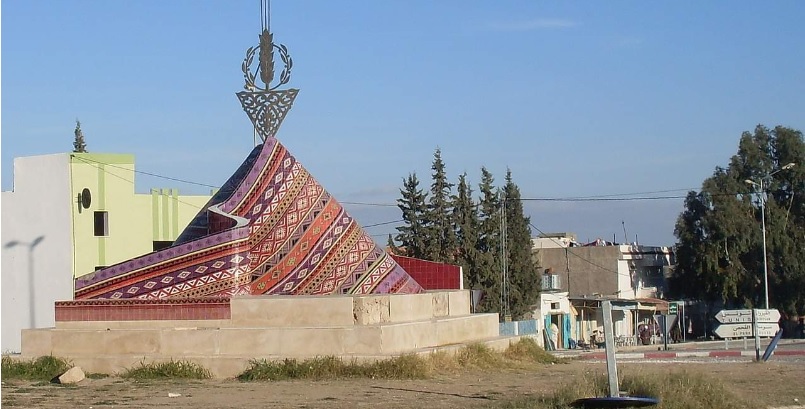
<point x="770" y="384"/>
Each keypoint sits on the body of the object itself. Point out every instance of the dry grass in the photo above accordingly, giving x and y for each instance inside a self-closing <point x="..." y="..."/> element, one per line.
<point x="167" y="370"/>
<point x="43" y="368"/>
<point x="473" y="356"/>
<point x="675" y="390"/>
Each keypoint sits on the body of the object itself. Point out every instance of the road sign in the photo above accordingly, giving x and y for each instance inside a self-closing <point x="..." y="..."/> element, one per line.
<point x="672" y="308"/>
<point x="741" y="330"/>
<point x="734" y="316"/>
<point x="767" y="315"/>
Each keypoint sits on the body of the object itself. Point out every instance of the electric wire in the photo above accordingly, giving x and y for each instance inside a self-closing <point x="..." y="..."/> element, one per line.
<point x="97" y="166"/>
<point x="595" y="198"/>
<point x="607" y="269"/>
<point x="146" y="173"/>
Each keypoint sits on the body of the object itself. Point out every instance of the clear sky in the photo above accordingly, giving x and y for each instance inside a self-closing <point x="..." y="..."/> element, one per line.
<point x="576" y="98"/>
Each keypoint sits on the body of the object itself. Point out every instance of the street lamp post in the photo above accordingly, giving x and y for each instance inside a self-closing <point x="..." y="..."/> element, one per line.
<point x="763" y="224"/>
<point x="31" y="289"/>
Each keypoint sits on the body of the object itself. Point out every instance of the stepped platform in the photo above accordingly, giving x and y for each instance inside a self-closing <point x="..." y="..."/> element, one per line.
<point x="223" y="334"/>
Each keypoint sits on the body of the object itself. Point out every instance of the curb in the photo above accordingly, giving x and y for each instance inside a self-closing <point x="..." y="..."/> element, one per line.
<point x="689" y="354"/>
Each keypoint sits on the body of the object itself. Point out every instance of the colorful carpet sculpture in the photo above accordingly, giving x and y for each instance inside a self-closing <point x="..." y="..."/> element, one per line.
<point x="270" y="229"/>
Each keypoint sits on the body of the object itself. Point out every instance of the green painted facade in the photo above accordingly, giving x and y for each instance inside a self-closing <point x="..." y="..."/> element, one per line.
<point x="134" y="220"/>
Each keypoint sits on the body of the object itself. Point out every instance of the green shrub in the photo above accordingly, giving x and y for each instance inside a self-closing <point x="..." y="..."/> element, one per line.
<point x="44" y="368"/>
<point x="479" y="356"/>
<point x="526" y="349"/>
<point x="329" y="367"/>
<point x="169" y="369"/>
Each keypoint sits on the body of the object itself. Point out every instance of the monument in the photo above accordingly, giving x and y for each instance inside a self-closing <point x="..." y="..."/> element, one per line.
<point x="272" y="267"/>
<point x="270" y="229"/>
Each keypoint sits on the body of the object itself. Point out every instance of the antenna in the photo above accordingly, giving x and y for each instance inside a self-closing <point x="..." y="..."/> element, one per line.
<point x="625" y="236"/>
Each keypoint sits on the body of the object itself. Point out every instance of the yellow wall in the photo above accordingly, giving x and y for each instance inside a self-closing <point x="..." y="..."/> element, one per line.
<point x="135" y="221"/>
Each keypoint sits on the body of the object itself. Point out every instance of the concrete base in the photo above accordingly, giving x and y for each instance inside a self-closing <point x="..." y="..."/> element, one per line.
<point x="272" y="327"/>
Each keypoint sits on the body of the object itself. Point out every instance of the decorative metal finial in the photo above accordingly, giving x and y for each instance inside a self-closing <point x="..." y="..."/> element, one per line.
<point x="265" y="105"/>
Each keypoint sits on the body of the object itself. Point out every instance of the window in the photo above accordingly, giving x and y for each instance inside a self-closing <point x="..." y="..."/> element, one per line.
<point x="101" y="223"/>
<point x="159" y="245"/>
<point x="554" y="305"/>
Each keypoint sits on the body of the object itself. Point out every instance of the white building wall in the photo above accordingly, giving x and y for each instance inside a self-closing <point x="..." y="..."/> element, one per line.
<point x="625" y="289"/>
<point x="37" y="208"/>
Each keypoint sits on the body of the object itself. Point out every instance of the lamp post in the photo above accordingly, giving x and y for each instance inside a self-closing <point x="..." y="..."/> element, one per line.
<point x="763" y="223"/>
<point x="31" y="290"/>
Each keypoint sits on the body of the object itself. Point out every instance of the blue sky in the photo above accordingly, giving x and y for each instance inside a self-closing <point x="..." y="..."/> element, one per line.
<point x="576" y="98"/>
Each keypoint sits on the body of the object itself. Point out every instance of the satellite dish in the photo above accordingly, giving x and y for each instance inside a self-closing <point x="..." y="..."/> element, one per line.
<point x="84" y="199"/>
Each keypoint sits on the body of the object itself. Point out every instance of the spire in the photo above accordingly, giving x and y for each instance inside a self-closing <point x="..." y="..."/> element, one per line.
<point x="265" y="104"/>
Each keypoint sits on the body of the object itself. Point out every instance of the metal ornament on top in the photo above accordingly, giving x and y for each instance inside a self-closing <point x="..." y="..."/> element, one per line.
<point x="266" y="106"/>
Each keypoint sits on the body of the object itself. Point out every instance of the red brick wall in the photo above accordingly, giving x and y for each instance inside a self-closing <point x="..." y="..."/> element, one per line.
<point x="431" y="275"/>
<point x="207" y="308"/>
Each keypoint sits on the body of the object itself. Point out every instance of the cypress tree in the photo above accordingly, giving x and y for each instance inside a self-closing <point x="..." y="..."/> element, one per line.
<point x="78" y="142"/>
<point x="413" y="205"/>
<point x="488" y="246"/>
<point x="522" y="266"/>
<point x="441" y="241"/>
<point x="465" y="220"/>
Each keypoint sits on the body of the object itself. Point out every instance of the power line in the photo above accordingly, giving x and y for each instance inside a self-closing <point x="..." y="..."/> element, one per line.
<point x="146" y="173"/>
<point x="577" y="255"/>
<point x="619" y="197"/>
<point x="370" y="204"/>
<point x="382" y="224"/>
<point x="97" y="166"/>
<point x="599" y="199"/>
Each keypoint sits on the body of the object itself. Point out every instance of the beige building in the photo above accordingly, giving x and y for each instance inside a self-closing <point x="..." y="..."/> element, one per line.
<point x="632" y="276"/>
<point x="625" y="271"/>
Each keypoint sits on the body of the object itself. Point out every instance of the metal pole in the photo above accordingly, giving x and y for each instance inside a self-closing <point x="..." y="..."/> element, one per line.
<point x="609" y="339"/>
<point x="763" y="228"/>
<point x="755" y="333"/>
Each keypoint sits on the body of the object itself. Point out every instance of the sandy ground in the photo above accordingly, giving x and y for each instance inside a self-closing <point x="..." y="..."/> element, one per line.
<point x="772" y="383"/>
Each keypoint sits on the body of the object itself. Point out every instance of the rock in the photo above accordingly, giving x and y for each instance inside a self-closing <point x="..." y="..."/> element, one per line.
<point x="73" y="375"/>
<point x="174" y="395"/>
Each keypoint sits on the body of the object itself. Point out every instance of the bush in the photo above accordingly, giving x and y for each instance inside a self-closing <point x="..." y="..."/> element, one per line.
<point x="170" y="369"/>
<point x="329" y="367"/>
<point x="44" y="368"/>
<point x="526" y="349"/>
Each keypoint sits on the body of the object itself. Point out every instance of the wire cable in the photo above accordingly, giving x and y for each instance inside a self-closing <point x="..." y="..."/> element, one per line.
<point x="146" y="173"/>
<point x="577" y="255"/>
<point x="97" y="166"/>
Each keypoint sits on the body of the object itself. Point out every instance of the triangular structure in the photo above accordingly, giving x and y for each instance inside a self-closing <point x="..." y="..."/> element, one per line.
<point x="276" y="232"/>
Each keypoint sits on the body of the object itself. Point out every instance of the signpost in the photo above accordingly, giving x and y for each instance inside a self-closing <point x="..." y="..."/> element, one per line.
<point x="741" y="316"/>
<point x="747" y="323"/>
<point x="673" y="308"/>
<point x="741" y="330"/>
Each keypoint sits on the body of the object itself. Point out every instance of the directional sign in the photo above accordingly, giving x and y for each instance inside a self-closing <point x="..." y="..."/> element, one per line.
<point x="672" y="308"/>
<point x="767" y="315"/>
<point x="734" y="316"/>
<point x="745" y="330"/>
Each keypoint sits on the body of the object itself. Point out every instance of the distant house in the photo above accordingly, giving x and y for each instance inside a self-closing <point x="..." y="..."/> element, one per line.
<point x="626" y="271"/>
<point x="632" y="276"/>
